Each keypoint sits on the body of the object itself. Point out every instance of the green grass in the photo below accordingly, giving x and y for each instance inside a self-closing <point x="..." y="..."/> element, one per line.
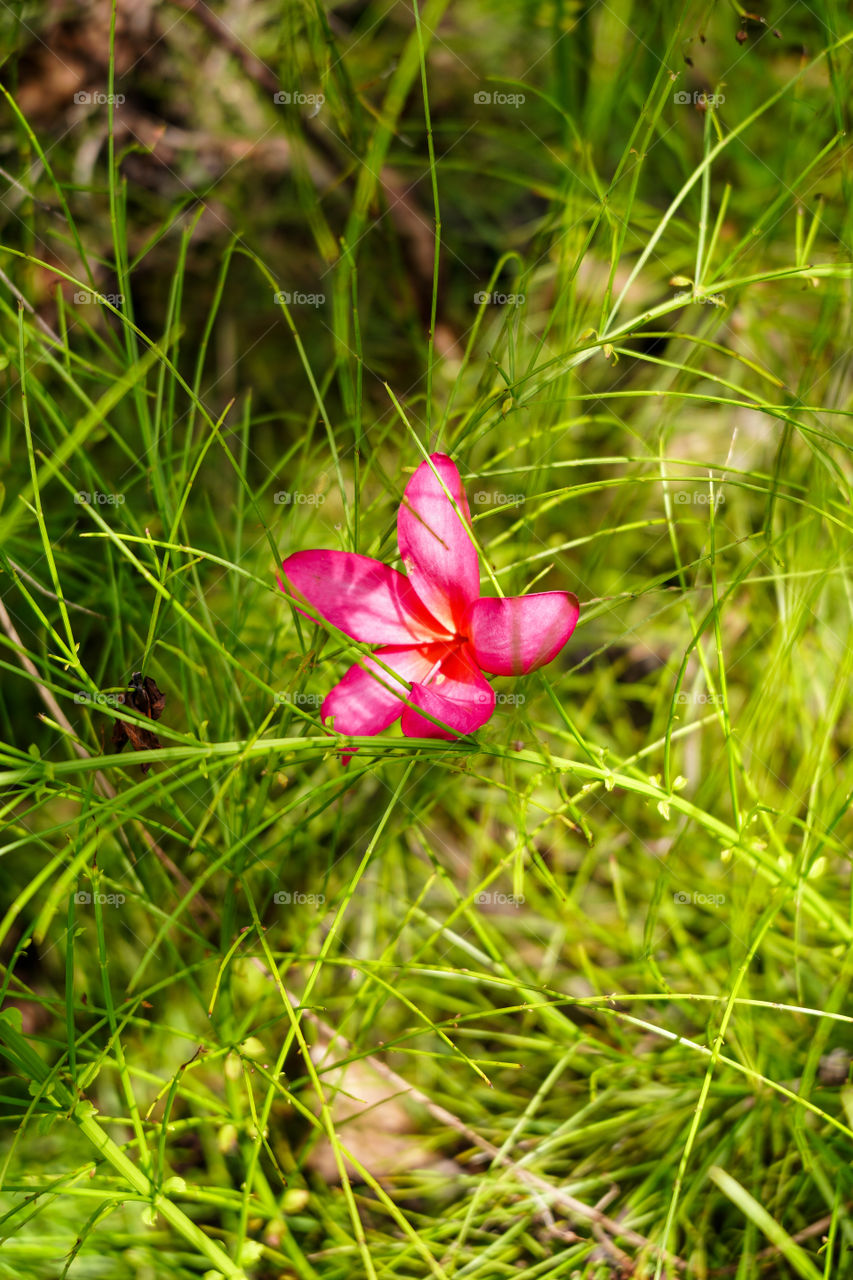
<point x="569" y="997"/>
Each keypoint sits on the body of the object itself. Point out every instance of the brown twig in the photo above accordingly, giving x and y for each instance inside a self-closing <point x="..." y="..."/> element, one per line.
<point x="416" y="230"/>
<point x="554" y="1195"/>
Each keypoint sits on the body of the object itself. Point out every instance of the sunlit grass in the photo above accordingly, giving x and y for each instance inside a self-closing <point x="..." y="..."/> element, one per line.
<point x="586" y="973"/>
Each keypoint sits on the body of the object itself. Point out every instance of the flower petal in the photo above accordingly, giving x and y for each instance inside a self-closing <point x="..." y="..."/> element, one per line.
<point x="368" y="699"/>
<point x="362" y="597"/>
<point x="458" y="696"/>
<point x="437" y="551"/>
<point x="513" y="636"/>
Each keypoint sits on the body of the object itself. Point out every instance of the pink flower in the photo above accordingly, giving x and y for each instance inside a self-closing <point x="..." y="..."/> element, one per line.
<point x="437" y="634"/>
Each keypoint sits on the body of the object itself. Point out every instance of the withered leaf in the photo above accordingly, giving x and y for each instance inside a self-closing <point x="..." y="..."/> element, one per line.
<point x="143" y="696"/>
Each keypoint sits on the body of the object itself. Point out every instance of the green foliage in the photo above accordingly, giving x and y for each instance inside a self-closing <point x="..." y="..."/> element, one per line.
<point x="565" y="998"/>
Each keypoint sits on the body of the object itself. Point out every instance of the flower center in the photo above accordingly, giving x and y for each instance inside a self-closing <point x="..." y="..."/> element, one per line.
<point x="435" y="674"/>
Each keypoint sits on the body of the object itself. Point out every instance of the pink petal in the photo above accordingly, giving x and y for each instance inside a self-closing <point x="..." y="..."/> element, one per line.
<point x="438" y="554"/>
<point x="458" y="696"/>
<point x="367" y="701"/>
<point x="512" y="636"/>
<point x="361" y="597"/>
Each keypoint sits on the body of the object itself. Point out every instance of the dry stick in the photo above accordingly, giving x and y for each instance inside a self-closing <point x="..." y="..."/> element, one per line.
<point x="411" y="222"/>
<point x="43" y="591"/>
<point x="254" y="68"/>
<point x="604" y="1240"/>
<point x="553" y="1194"/>
<point x="28" y="307"/>
<point x="608" y="1247"/>
<point x="103" y="786"/>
